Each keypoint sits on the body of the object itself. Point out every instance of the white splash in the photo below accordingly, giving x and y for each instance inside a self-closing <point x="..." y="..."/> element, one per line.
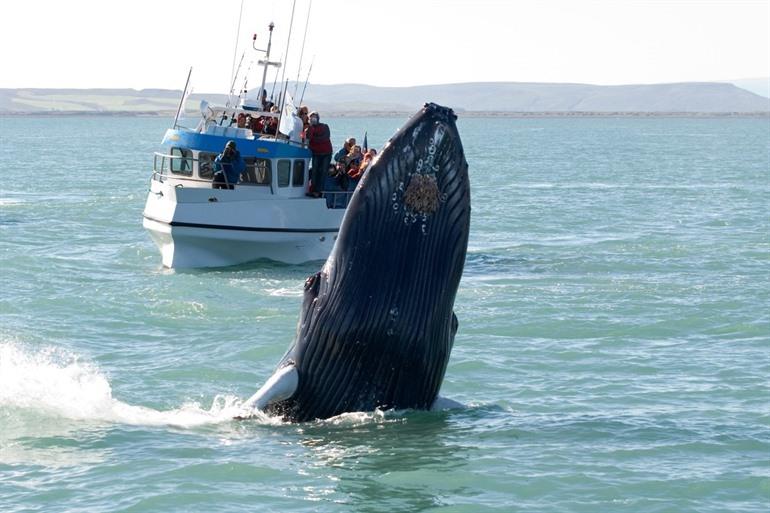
<point x="54" y="382"/>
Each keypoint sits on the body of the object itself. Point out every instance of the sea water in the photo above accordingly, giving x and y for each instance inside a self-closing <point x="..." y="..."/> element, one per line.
<point x="613" y="351"/>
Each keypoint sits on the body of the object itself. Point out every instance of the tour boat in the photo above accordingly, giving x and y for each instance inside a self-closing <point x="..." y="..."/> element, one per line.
<point x="266" y="216"/>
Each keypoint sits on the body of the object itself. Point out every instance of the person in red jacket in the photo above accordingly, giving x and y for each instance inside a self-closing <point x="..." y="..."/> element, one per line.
<point x="319" y="141"/>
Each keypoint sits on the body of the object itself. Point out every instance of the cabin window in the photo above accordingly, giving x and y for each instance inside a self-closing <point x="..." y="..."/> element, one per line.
<point x="298" y="178"/>
<point x="284" y="172"/>
<point x="181" y="161"/>
<point x="206" y="164"/>
<point x="257" y="171"/>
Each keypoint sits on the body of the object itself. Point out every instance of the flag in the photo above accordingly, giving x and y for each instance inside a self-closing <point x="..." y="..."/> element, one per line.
<point x="287" y="117"/>
<point x="291" y="125"/>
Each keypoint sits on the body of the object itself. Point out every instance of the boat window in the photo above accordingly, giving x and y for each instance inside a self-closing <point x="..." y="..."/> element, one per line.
<point x="284" y="172"/>
<point x="181" y="164"/>
<point x="298" y="178"/>
<point x="206" y="164"/>
<point x="257" y="171"/>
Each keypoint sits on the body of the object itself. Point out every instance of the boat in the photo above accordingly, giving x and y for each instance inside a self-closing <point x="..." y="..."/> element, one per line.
<point x="267" y="215"/>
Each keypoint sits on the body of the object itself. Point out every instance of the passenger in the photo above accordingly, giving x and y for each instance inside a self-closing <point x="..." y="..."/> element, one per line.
<point x="258" y="124"/>
<point x="264" y="102"/>
<point x="348" y="167"/>
<point x="247" y="121"/>
<point x="340" y="156"/>
<point x="271" y="123"/>
<point x="302" y="113"/>
<point x="228" y="167"/>
<point x="242" y="120"/>
<point x="365" y="163"/>
<point x="319" y="141"/>
<point x="354" y="158"/>
<point x="352" y="167"/>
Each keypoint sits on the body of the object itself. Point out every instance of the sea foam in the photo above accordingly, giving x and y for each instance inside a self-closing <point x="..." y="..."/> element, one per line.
<point x="57" y="383"/>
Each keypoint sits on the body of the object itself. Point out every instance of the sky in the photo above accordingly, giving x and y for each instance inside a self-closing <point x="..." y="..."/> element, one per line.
<point x="152" y="44"/>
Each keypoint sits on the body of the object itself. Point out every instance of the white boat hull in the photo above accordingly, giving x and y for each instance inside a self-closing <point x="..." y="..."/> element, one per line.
<point x="203" y="227"/>
<point x="190" y="247"/>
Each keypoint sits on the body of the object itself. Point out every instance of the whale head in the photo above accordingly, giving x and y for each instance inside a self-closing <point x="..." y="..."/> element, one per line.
<point x="377" y="326"/>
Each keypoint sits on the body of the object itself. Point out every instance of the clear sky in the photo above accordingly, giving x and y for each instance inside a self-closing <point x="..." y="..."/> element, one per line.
<point x="151" y="44"/>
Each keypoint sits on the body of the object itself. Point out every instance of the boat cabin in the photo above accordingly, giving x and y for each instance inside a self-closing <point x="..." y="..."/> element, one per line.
<point x="275" y="165"/>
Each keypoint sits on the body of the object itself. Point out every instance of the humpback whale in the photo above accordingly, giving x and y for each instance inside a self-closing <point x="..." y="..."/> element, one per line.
<point x="376" y="326"/>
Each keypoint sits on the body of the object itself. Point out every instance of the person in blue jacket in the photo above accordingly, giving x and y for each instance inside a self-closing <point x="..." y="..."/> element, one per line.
<point x="228" y="167"/>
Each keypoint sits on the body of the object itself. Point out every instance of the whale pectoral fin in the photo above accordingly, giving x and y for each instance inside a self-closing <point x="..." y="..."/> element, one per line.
<point x="444" y="403"/>
<point x="281" y="385"/>
<point x="453" y="330"/>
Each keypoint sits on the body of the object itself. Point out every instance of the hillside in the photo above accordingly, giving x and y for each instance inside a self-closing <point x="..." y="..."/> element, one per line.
<point x="537" y="97"/>
<point x="493" y="97"/>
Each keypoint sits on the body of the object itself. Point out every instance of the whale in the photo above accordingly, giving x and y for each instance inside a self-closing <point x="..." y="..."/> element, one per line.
<point x="376" y="326"/>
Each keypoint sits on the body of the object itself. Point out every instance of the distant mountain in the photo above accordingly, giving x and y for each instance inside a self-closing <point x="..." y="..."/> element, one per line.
<point x="539" y="97"/>
<point x="760" y="86"/>
<point x="489" y="97"/>
<point x="88" y="100"/>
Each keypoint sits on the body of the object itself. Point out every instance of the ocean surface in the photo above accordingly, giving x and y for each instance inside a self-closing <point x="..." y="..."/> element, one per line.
<point x="613" y="351"/>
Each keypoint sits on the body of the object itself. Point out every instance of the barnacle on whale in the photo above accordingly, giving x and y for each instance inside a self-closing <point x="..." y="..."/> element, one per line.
<point x="422" y="194"/>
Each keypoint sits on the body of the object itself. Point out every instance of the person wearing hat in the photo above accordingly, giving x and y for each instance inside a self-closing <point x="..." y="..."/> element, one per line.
<point x="228" y="167"/>
<point x="319" y="141"/>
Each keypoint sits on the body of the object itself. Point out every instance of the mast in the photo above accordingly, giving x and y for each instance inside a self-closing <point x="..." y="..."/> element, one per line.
<point x="234" y="73"/>
<point x="266" y="63"/>
<point x="288" y="43"/>
<point x="302" y="52"/>
<point x="182" y="100"/>
<point x="308" y="78"/>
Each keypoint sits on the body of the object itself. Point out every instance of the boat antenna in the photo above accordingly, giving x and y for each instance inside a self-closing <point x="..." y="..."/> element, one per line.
<point x="302" y="52"/>
<point x="288" y="40"/>
<point x="235" y="77"/>
<point x="245" y="82"/>
<point x="233" y="73"/>
<point x="308" y="78"/>
<point x="184" y="97"/>
<point x="266" y="63"/>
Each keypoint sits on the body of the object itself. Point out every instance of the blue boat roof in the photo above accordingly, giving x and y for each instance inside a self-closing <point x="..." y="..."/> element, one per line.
<point x="261" y="148"/>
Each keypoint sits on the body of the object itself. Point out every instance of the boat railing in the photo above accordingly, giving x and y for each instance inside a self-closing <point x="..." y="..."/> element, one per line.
<point x="337" y="199"/>
<point x="162" y="170"/>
